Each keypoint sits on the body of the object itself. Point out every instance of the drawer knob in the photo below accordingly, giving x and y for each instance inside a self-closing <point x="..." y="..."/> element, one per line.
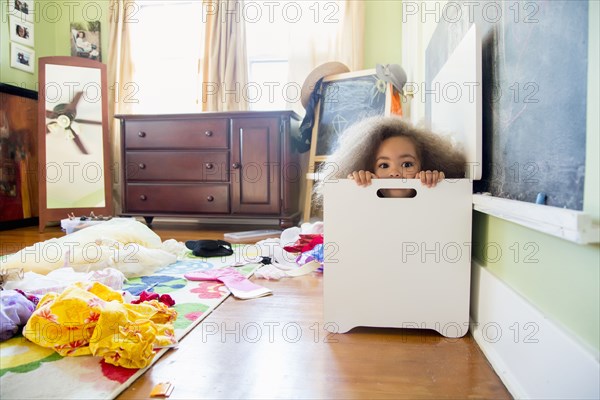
<point x="236" y="165"/>
<point x="208" y="133"/>
<point x="209" y="165"/>
<point x="143" y="197"/>
<point x="209" y="198"/>
<point x="142" y="165"/>
<point x="142" y="134"/>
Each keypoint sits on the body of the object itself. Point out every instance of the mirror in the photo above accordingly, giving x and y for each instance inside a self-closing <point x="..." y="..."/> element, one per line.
<point x="74" y="150"/>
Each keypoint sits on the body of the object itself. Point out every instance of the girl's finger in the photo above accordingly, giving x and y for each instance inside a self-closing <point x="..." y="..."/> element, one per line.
<point x="435" y="178"/>
<point x="429" y="178"/>
<point x="354" y="175"/>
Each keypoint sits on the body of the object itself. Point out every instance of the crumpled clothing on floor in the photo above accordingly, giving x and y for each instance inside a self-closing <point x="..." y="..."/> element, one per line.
<point x="121" y="243"/>
<point x="88" y="318"/>
<point x="59" y="279"/>
<point x="296" y="247"/>
<point x="15" y="310"/>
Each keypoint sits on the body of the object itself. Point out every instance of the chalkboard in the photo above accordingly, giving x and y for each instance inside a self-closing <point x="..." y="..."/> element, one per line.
<point x="534" y="71"/>
<point x="346" y="101"/>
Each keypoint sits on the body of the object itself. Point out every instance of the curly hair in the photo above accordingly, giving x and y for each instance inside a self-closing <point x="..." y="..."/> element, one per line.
<point x="358" y="145"/>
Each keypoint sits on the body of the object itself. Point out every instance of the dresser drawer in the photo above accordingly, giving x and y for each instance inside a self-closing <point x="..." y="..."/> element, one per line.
<point x="210" y="166"/>
<point x="208" y="198"/>
<point x="209" y="133"/>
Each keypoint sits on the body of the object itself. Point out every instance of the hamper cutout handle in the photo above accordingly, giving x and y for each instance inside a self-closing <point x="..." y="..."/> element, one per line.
<point x="395" y="193"/>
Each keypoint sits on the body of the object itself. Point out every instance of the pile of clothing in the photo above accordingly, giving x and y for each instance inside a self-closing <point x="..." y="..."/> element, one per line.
<point x="70" y="296"/>
<point x="299" y="251"/>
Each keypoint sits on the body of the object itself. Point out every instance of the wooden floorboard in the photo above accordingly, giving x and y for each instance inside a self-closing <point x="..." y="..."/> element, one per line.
<point x="276" y="347"/>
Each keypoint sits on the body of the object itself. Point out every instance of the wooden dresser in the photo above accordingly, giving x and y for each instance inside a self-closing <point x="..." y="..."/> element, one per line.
<point x="233" y="164"/>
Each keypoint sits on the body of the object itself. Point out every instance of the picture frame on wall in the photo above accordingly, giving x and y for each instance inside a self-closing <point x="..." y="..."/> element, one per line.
<point x="21" y="32"/>
<point x="21" y="9"/>
<point x="22" y="58"/>
<point x="85" y="40"/>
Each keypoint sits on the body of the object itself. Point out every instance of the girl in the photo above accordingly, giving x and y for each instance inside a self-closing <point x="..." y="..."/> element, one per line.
<point x="86" y="46"/>
<point x="388" y="147"/>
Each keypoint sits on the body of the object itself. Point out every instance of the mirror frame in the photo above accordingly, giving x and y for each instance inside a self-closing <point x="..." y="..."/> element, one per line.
<point x="56" y="214"/>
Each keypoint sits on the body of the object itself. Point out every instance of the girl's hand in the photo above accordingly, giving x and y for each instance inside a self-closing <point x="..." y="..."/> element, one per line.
<point x="362" y="178"/>
<point x="430" y="178"/>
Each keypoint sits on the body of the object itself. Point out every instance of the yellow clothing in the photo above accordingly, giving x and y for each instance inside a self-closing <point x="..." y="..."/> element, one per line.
<point x="90" y="318"/>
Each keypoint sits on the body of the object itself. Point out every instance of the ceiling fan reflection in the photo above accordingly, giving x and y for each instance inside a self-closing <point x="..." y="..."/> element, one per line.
<point x="62" y="117"/>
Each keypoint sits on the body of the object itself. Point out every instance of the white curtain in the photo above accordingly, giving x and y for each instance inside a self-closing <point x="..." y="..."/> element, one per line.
<point x="120" y="79"/>
<point x="225" y="72"/>
<point x="338" y="35"/>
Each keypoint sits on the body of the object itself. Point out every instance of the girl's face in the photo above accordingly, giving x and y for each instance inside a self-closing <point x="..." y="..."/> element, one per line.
<point x="397" y="158"/>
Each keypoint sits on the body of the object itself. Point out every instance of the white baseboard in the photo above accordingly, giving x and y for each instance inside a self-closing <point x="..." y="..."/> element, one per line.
<point x="534" y="357"/>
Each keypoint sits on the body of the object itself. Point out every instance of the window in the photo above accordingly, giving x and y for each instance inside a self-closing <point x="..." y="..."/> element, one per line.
<point x="268" y="43"/>
<point x="167" y="49"/>
<point x="283" y="38"/>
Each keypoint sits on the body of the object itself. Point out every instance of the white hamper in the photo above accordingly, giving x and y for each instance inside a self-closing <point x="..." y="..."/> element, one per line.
<point x="393" y="262"/>
<point x="406" y="262"/>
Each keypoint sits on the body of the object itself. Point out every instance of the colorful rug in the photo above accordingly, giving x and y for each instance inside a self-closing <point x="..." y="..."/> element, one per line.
<point x="23" y="363"/>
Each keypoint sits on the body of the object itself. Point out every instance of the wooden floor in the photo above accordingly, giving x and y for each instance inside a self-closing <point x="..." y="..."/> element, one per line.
<point x="276" y="347"/>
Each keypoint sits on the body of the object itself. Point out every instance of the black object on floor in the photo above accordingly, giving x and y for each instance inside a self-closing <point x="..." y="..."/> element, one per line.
<point x="209" y="248"/>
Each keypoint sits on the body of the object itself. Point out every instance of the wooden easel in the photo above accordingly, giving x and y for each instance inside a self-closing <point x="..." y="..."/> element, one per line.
<point x="314" y="157"/>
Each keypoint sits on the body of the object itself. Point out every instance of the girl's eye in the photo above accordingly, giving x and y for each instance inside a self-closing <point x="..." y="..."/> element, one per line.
<point x="407" y="164"/>
<point x="383" y="166"/>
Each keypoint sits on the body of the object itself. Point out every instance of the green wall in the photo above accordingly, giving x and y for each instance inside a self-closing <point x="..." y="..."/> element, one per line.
<point x="52" y="22"/>
<point x="383" y="32"/>
<point x="560" y="278"/>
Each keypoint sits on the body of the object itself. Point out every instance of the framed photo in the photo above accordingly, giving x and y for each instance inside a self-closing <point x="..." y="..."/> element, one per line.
<point x="85" y="40"/>
<point x="21" y="32"/>
<point x="22" y="58"/>
<point x="21" y="9"/>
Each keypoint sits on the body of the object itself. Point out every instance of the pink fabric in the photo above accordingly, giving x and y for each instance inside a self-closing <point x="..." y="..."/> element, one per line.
<point x="237" y="283"/>
<point x="149" y="296"/>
